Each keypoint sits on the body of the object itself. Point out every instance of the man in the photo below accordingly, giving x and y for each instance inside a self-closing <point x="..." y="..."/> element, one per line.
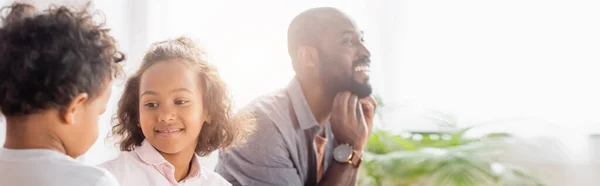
<point x="314" y="131"/>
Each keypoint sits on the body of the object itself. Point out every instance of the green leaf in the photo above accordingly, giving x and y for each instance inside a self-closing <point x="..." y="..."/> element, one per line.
<point x="404" y="143"/>
<point x="458" y="136"/>
<point x="393" y="160"/>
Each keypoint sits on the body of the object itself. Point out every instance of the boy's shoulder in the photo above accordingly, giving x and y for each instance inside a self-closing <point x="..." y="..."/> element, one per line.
<point x="50" y="169"/>
<point x="76" y="173"/>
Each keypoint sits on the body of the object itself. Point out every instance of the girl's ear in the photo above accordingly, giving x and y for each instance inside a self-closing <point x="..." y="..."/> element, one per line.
<point x="208" y="119"/>
<point x="207" y="116"/>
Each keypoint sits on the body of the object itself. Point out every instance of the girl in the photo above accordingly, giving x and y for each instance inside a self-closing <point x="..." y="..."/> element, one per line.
<point x="173" y="110"/>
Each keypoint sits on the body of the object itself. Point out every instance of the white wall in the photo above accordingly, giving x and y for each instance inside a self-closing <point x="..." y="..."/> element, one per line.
<point x="484" y="61"/>
<point x="557" y="161"/>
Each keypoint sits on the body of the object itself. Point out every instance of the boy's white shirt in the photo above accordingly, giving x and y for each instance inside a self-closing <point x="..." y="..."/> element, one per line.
<point x="33" y="167"/>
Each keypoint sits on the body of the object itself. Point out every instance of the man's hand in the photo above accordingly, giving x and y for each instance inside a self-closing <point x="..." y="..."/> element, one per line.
<point x="352" y="119"/>
<point x="369" y="107"/>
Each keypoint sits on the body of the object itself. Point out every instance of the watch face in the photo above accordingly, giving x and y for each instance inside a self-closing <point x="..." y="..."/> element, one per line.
<point x="342" y="153"/>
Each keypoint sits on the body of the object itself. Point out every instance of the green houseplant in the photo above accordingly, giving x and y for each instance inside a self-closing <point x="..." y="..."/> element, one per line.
<point x="439" y="159"/>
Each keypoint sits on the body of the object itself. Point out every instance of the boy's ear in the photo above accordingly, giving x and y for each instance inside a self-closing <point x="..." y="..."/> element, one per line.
<point x="74" y="106"/>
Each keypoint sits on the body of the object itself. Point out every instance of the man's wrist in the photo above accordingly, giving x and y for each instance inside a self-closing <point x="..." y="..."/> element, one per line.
<point x="345" y="153"/>
<point x="358" y="148"/>
<point x="355" y="146"/>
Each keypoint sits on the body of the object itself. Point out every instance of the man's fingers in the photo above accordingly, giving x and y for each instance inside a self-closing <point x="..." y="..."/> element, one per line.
<point x="367" y="106"/>
<point x="352" y="104"/>
<point x="336" y="103"/>
<point x="373" y="102"/>
<point x="361" y="115"/>
<point x="344" y="103"/>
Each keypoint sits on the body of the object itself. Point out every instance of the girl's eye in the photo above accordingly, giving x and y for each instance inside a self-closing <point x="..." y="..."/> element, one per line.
<point x="180" y="102"/>
<point x="151" y="105"/>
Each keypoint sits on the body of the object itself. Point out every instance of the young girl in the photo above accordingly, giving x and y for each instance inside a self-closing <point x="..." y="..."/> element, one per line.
<point x="173" y="110"/>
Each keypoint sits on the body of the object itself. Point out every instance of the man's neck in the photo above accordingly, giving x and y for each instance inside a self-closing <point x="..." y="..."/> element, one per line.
<point x="319" y="102"/>
<point x="181" y="161"/>
<point x="32" y="132"/>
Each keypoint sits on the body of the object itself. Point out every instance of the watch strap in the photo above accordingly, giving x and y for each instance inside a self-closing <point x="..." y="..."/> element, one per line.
<point x="356" y="159"/>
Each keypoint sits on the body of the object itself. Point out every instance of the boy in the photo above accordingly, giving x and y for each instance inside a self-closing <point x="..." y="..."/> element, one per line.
<point x="56" y="68"/>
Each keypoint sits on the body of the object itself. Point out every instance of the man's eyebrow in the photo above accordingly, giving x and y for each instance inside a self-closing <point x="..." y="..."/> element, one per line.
<point x="350" y="31"/>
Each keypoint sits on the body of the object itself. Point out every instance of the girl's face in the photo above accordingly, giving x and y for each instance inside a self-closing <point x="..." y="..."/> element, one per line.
<point x="171" y="108"/>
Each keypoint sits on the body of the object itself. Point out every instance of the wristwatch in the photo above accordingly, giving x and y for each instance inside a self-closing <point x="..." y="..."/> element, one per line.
<point x="345" y="154"/>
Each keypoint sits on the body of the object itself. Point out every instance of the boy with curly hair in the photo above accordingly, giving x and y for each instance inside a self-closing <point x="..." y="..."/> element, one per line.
<point x="56" y="68"/>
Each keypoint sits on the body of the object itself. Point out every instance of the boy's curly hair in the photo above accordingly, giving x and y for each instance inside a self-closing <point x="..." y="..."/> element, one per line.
<point x="49" y="57"/>
<point x="224" y="131"/>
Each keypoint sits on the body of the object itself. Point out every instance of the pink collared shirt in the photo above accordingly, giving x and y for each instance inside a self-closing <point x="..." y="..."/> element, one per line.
<point x="145" y="166"/>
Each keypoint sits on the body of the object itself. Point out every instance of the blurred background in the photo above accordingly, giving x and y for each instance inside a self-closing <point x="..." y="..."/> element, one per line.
<point x="528" y="68"/>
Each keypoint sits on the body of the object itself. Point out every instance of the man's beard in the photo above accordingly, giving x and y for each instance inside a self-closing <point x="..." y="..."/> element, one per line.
<point x="362" y="90"/>
<point x="337" y="84"/>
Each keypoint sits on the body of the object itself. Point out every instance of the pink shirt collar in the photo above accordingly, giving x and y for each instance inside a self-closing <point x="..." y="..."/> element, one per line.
<point x="149" y="155"/>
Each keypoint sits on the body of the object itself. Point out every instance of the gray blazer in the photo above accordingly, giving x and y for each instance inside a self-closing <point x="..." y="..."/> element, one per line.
<point x="282" y="150"/>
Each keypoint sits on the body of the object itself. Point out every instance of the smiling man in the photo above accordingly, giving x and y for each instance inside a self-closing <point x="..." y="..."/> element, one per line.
<point x="313" y="132"/>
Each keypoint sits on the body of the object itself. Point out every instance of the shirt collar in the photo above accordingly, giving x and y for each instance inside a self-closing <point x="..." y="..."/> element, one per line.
<point x="195" y="170"/>
<point x="149" y="155"/>
<point x="301" y="109"/>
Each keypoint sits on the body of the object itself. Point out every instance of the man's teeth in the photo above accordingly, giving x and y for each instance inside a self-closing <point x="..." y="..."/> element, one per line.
<point x="361" y="68"/>
<point x="172" y="130"/>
